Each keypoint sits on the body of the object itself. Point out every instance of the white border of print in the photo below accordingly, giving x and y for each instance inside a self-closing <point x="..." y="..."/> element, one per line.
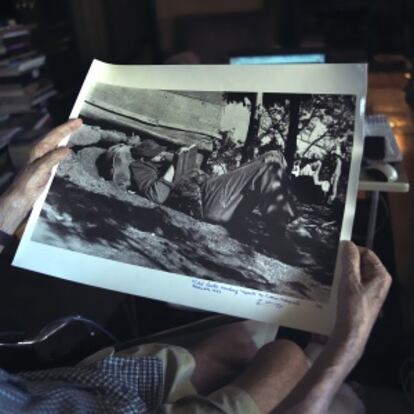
<point x="198" y="293"/>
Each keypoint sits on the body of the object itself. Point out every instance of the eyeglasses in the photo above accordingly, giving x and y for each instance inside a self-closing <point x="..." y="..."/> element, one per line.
<point x="53" y="327"/>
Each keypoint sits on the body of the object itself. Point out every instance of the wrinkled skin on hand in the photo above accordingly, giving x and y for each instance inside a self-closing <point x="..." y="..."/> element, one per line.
<point x="17" y="202"/>
<point x="363" y="288"/>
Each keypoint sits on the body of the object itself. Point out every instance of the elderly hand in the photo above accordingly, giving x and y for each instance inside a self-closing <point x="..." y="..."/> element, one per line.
<point x="363" y="288"/>
<point x="17" y="202"/>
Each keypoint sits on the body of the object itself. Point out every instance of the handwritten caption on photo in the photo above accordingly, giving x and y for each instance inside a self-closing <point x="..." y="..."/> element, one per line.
<point x="260" y="298"/>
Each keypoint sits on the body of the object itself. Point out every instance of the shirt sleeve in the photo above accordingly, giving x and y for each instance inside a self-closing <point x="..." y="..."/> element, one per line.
<point x="146" y="182"/>
<point x="114" y="384"/>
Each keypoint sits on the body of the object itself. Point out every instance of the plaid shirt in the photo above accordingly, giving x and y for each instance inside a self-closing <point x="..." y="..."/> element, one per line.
<point x="111" y="385"/>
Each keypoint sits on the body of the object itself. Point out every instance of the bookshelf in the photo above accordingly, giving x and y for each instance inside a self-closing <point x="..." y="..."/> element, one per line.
<point x="25" y="90"/>
<point x="54" y="35"/>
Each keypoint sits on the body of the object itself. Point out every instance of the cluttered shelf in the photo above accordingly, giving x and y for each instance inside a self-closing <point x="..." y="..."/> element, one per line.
<point x="25" y="89"/>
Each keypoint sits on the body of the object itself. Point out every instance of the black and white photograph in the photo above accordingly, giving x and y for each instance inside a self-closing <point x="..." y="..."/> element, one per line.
<point x="242" y="188"/>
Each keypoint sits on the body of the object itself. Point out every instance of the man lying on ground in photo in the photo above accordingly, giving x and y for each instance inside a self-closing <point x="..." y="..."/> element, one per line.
<point x="176" y="179"/>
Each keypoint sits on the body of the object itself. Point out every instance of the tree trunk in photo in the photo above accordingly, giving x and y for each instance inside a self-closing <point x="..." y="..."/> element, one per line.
<point x="292" y="135"/>
<point x="253" y="131"/>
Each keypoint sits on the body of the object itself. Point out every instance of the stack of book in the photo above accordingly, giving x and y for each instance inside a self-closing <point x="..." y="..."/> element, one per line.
<point x="24" y="92"/>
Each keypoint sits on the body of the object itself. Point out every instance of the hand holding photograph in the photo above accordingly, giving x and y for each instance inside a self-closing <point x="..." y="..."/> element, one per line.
<point x="224" y="188"/>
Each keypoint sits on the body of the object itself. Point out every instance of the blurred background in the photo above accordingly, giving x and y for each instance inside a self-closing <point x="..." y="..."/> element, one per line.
<point x="73" y="32"/>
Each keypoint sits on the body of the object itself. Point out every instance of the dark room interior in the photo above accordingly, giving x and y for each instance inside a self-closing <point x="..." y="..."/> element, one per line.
<point x="58" y="40"/>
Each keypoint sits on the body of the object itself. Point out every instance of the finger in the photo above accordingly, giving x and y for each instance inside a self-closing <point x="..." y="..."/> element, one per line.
<point x="350" y="261"/>
<point x="52" y="158"/>
<point x="43" y="168"/>
<point x="33" y="179"/>
<point x="53" y="139"/>
<point x="372" y="268"/>
<point x="362" y="250"/>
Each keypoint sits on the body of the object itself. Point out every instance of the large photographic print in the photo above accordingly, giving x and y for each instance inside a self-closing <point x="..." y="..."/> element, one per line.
<point x="242" y="188"/>
<point x="221" y="188"/>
